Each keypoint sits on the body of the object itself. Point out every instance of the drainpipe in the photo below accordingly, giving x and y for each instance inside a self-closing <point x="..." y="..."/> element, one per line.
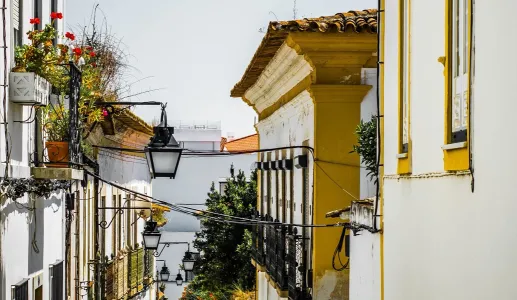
<point x="98" y="284"/>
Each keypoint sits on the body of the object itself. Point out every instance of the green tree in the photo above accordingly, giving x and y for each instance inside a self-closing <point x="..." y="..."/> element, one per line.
<point x="226" y="248"/>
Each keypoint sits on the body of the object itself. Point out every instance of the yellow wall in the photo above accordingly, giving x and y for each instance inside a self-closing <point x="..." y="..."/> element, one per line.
<point x="337" y="112"/>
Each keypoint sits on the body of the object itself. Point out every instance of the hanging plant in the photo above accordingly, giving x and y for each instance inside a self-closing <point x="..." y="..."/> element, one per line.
<point x="366" y="147"/>
<point x="15" y="188"/>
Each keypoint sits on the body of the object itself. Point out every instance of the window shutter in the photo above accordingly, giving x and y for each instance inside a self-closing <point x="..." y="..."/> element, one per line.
<point x="16" y="14"/>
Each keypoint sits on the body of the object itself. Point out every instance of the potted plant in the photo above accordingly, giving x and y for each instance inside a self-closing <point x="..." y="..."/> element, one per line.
<point x="56" y="126"/>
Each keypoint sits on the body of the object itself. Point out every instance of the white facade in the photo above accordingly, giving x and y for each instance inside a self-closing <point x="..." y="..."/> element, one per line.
<point x="448" y="236"/>
<point x="30" y="240"/>
<point x="192" y="183"/>
<point x="365" y="265"/>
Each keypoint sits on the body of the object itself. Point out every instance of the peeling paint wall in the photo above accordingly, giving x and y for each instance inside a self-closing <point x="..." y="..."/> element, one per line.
<point x="290" y="125"/>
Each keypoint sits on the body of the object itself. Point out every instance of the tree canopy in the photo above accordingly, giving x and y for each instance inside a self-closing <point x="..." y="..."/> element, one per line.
<point x="225" y="263"/>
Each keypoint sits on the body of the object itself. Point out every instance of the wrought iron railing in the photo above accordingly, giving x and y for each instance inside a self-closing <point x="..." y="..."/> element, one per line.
<point x="271" y="248"/>
<point x="296" y="268"/>
<point x="281" y="259"/>
<point x="281" y="250"/>
<point x="75" y="121"/>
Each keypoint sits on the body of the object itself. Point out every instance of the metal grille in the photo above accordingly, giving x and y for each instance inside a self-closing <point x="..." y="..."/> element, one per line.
<point x="281" y="271"/>
<point x="20" y="291"/>
<point x="271" y="248"/>
<point x="260" y="243"/>
<point x="75" y="121"/>
<point x="56" y="281"/>
<point x="297" y="287"/>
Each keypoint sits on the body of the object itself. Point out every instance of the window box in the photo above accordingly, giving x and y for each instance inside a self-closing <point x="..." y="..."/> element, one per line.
<point x="27" y="88"/>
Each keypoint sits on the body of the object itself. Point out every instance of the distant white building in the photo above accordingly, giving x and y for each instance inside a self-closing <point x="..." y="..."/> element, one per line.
<point x="193" y="180"/>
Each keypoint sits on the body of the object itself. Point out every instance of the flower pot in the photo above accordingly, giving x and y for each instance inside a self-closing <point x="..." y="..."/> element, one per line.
<point x="57" y="154"/>
<point x="27" y="88"/>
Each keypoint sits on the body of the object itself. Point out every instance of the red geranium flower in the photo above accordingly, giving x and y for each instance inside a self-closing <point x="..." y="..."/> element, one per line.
<point x="104" y="112"/>
<point x="56" y="15"/>
<point x="70" y="36"/>
<point x="89" y="48"/>
<point x="92" y="54"/>
<point x="78" y="51"/>
<point x="34" y="21"/>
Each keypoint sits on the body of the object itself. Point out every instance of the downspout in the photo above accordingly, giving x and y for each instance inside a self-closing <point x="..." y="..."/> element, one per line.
<point x="98" y="284"/>
<point x="378" y="213"/>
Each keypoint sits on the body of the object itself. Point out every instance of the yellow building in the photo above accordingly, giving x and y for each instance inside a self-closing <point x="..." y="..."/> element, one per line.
<point x="306" y="82"/>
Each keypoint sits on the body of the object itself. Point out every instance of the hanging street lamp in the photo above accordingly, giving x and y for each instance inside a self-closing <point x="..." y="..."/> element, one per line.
<point x="164" y="273"/>
<point x="151" y="235"/>
<point x="163" y="152"/>
<point x="179" y="279"/>
<point x="188" y="261"/>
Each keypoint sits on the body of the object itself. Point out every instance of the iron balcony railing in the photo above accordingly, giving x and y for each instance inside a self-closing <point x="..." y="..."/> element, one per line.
<point x="280" y="250"/>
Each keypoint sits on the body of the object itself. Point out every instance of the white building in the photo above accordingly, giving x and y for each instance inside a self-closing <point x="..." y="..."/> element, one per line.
<point x="31" y="230"/>
<point x="448" y="199"/>
<point x="192" y="184"/>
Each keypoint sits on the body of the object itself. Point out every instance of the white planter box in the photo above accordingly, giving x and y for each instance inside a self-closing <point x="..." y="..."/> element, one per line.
<point x="27" y="88"/>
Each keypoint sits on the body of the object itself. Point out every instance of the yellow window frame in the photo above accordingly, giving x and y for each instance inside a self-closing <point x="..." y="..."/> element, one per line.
<point x="404" y="155"/>
<point x="456" y="156"/>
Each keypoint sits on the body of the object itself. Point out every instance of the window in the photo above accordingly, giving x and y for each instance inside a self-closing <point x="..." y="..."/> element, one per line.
<point x="56" y="281"/>
<point x="20" y="291"/>
<point x="404" y="76"/>
<point x="457" y="82"/>
<point x="114" y="226"/>
<point x="459" y="53"/>
<point x="404" y="128"/>
<point x="37" y="13"/>
<point x="17" y="23"/>
<point x="119" y="225"/>
<point x="53" y="8"/>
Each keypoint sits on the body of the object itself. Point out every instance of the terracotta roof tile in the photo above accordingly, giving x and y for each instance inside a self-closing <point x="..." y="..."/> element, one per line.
<point x="134" y="122"/>
<point x="223" y="142"/>
<point x="246" y="143"/>
<point x="352" y="21"/>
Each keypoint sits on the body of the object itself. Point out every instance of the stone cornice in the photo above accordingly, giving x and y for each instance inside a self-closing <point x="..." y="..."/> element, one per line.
<point x="283" y="73"/>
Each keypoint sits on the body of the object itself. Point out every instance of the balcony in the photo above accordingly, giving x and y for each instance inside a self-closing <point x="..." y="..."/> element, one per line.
<point x="278" y="251"/>
<point x="130" y="275"/>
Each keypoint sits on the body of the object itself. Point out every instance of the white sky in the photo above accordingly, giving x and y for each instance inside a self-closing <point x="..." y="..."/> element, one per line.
<point x="197" y="49"/>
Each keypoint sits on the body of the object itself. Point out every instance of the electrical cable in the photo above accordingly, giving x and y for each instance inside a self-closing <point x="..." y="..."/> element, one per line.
<point x="216" y="154"/>
<point x="337" y="251"/>
<point x="195" y="212"/>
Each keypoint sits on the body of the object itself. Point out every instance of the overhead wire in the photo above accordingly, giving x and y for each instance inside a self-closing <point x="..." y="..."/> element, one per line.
<point x="196" y="212"/>
<point x="210" y="153"/>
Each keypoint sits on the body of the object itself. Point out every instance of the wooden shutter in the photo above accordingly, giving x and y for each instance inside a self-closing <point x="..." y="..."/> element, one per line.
<point x="16" y="14"/>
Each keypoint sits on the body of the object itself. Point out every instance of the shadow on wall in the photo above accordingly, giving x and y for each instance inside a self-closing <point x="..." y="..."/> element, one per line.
<point x="35" y="220"/>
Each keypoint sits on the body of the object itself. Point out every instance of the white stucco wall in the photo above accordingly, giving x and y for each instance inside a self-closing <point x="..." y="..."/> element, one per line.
<point x="443" y="241"/>
<point x="290" y="125"/>
<point x="365" y="247"/>
<point x="29" y="240"/>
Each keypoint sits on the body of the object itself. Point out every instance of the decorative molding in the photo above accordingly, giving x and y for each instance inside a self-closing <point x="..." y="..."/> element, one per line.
<point x="283" y="73"/>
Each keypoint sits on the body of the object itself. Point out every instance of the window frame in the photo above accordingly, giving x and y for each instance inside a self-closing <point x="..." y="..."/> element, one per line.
<point x="456" y="143"/>
<point x="404" y="89"/>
